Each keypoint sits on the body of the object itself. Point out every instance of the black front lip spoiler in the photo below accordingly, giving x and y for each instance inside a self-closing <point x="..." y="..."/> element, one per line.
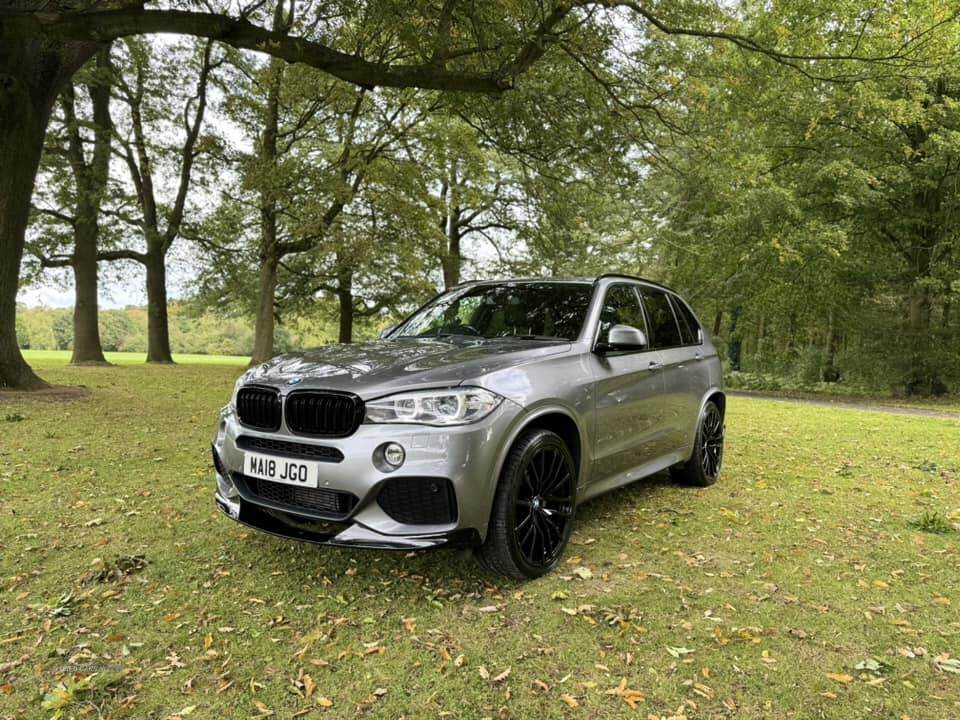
<point x="345" y="534"/>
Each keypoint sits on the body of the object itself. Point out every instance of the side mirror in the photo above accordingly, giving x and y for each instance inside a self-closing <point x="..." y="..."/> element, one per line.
<point x="624" y="337"/>
<point x="386" y="331"/>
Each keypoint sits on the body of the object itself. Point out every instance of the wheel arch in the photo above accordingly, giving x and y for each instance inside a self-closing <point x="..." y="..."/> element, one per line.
<point x="719" y="397"/>
<point x="554" y="418"/>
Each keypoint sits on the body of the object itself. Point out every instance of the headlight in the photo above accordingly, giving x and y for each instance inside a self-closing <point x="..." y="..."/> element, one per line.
<point x="454" y="406"/>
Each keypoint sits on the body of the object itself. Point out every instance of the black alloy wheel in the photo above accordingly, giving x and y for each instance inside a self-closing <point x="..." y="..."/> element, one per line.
<point x="534" y="507"/>
<point x="703" y="467"/>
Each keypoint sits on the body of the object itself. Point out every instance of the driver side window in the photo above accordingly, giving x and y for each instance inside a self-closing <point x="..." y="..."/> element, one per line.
<point x="621" y="306"/>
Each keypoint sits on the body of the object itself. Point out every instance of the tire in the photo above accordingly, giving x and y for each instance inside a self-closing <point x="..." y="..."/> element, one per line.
<point x="533" y="509"/>
<point x="703" y="467"/>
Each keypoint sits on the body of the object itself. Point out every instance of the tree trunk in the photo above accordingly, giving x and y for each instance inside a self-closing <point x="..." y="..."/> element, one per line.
<point x="830" y="373"/>
<point x="717" y="323"/>
<point x="22" y="127"/>
<point x="158" y="332"/>
<point x="761" y="337"/>
<point x="452" y="260"/>
<point x="266" y="293"/>
<point x="91" y="179"/>
<point x="87" y="348"/>
<point x="269" y="251"/>
<point x="345" y="297"/>
<point x="734" y="345"/>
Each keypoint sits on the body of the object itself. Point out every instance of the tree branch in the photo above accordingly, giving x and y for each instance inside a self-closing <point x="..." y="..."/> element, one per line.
<point x="111" y="255"/>
<point x="106" y="25"/>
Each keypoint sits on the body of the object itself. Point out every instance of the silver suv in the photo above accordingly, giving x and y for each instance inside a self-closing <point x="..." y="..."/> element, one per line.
<point x="483" y="419"/>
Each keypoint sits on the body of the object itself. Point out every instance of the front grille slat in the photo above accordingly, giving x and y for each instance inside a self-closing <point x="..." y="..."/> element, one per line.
<point x="259" y="407"/>
<point x="286" y="448"/>
<point x="332" y="503"/>
<point x="323" y="413"/>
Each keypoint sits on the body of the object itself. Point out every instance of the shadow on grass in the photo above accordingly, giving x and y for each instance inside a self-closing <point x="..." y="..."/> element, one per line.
<point x="454" y="572"/>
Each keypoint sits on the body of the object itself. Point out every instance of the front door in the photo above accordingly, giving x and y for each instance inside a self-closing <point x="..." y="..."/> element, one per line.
<point x="630" y="407"/>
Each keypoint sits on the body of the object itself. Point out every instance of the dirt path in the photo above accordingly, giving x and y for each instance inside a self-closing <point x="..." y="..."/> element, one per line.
<point x="848" y="404"/>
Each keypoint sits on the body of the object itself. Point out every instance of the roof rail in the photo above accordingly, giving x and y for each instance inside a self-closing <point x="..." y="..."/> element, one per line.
<point x="624" y="276"/>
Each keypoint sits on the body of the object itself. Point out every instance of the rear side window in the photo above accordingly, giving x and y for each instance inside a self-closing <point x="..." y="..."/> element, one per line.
<point x="689" y="327"/>
<point x="663" y="324"/>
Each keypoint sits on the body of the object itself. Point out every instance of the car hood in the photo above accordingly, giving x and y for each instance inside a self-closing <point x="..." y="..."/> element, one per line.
<point x="386" y="366"/>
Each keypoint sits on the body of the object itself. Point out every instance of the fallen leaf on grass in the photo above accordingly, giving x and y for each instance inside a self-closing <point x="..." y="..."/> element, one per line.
<point x="264" y="710"/>
<point x="502" y="676"/>
<point x="840" y="677"/>
<point x="948" y="664"/>
<point x="678" y="651"/>
<point x="570" y="700"/>
<point x="630" y="697"/>
<point x="324" y="702"/>
<point x="584" y="573"/>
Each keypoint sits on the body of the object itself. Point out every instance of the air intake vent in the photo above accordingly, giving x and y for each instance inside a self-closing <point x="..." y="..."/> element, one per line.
<point x="419" y="500"/>
<point x="331" y="503"/>
<point x="323" y="413"/>
<point x="273" y="446"/>
<point x="259" y="407"/>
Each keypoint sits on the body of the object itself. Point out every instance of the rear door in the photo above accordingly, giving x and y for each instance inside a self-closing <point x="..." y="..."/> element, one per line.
<point x="697" y="371"/>
<point x="629" y="393"/>
<point x="681" y="390"/>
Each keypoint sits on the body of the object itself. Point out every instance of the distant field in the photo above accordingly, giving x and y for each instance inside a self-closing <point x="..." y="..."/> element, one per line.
<point x="62" y="357"/>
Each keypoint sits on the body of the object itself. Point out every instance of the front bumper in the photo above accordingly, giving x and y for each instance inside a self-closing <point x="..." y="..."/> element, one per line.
<point x="344" y="534"/>
<point x="467" y="456"/>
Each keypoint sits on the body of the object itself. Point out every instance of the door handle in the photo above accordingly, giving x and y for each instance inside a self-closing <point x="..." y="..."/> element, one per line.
<point x="655" y="365"/>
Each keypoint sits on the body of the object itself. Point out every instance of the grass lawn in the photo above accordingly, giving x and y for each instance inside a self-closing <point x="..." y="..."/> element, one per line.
<point x="798" y="587"/>
<point x="47" y="358"/>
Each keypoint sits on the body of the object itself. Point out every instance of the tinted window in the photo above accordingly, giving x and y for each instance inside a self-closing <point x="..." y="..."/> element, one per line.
<point x="663" y="325"/>
<point x="689" y="327"/>
<point x="539" y="309"/>
<point x="620" y="307"/>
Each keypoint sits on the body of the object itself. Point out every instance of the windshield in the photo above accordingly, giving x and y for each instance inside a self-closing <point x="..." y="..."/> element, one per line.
<point x="536" y="310"/>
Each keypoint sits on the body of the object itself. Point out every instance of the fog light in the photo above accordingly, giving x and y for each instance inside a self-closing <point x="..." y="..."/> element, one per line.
<point x="394" y="454"/>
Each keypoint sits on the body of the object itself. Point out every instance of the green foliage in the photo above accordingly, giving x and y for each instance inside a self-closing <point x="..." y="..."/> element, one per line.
<point x="824" y="212"/>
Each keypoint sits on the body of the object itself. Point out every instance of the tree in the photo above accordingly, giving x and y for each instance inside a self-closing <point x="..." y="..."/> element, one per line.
<point x="79" y="177"/>
<point x="159" y="225"/>
<point x="316" y="141"/>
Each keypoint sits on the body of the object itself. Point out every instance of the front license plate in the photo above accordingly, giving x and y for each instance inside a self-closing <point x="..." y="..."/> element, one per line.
<point x="282" y="470"/>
